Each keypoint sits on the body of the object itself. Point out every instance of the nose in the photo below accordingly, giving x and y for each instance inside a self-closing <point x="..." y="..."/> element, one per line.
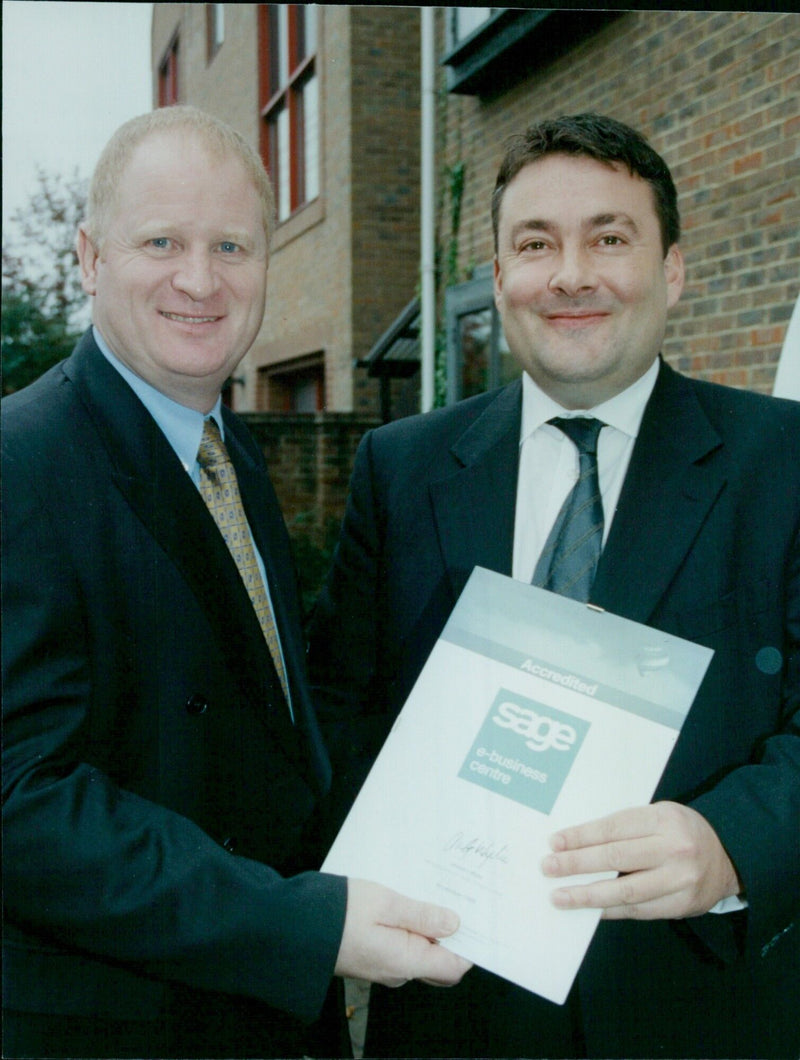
<point x="573" y="272"/>
<point x="195" y="275"/>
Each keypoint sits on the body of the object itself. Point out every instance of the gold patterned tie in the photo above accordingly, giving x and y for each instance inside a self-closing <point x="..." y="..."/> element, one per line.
<point x="220" y="491"/>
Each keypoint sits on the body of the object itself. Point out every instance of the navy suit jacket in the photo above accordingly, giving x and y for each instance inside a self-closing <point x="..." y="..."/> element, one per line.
<point x="158" y="801"/>
<point x="704" y="544"/>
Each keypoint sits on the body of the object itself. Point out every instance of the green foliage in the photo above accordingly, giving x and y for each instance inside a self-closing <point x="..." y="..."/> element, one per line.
<point x="455" y="177"/>
<point x="313" y="549"/>
<point x="44" y="307"/>
<point x="32" y="341"/>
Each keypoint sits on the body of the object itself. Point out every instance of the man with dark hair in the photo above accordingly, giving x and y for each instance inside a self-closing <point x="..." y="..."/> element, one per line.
<point x="603" y="139"/>
<point x="692" y="526"/>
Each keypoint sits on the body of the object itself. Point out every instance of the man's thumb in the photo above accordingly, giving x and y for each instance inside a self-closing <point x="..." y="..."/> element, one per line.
<point x="425" y="918"/>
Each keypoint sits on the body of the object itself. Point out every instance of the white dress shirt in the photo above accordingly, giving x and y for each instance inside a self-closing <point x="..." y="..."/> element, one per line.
<point x="549" y="462"/>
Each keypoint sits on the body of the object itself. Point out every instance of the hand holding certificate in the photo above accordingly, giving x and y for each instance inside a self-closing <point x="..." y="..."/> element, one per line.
<point x="672" y="860"/>
<point x="532" y="715"/>
<point x="390" y="939"/>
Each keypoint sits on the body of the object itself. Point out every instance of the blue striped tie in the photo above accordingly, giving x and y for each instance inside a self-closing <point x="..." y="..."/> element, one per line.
<point x="569" y="560"/>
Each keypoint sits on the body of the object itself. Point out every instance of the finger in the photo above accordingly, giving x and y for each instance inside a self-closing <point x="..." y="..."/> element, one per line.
<point x="435" y="964"/>
<point x="423" y="918"/>
<point x="624" y="855"/>
<point x="632" y="823"/>
<point x="441" y="986"/>
<point x="673" y="906"/>
<point x="636" y="889"/>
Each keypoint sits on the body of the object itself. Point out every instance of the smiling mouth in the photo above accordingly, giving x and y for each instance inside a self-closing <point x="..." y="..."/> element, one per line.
<point x="576" y="319"/>
<point x="189" y="320"/>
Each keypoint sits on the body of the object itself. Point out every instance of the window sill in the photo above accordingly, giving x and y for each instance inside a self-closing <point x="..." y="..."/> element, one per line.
<point x="301" y="221"/>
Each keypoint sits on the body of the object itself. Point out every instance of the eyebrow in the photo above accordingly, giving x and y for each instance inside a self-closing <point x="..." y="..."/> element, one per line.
<point x="532" y="224"/>
<point x="600" y="220"/>
<point x="240" y="236"/>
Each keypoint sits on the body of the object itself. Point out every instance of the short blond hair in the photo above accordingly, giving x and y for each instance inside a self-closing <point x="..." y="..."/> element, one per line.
<point x="216" y="136"/>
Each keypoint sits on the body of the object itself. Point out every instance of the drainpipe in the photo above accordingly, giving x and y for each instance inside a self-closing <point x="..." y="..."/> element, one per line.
<point x="427" y="249"/>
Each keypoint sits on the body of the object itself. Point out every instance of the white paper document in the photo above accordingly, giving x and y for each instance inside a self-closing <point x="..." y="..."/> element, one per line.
<point x="533" y="712"/>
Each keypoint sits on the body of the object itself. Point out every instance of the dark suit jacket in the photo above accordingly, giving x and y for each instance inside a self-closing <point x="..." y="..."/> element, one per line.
<point x="156" y="793"/>
<point x="704" y="544"/>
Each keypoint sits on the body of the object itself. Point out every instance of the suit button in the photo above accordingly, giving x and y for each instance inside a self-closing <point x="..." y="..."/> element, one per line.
<point x="230" y="844"/>
<point x="196" y="704"/>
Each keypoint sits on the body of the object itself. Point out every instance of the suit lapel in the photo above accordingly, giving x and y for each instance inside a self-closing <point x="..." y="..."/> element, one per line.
<point x="669" y="488"/>
<point x="150" y="476"/>
<point x="474" y="503"/>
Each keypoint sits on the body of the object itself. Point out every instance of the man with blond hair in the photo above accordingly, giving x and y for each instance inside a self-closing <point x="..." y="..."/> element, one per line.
<point x="163" y="769"/>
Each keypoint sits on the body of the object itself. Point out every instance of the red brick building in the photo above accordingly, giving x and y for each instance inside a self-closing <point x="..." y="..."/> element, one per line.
<point x="718" y="95"/>
<point x="332" y="96"/>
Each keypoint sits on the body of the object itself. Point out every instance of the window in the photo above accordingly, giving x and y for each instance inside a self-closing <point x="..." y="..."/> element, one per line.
<point x="295" y="387"/>
<point x="168" y="76"/>
<point x="490" y="49"/>
<point x="463" y="21"/>
<point x="289" y="102"/>
<point x="215" y="29"/>
<point x="478" y="357"/>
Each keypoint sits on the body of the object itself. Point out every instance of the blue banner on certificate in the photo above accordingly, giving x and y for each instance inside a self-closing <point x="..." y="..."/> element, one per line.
<point x="533" y="712"/>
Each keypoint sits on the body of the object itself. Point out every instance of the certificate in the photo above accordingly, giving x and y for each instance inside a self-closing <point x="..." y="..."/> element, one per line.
<point x="532" y="713"/>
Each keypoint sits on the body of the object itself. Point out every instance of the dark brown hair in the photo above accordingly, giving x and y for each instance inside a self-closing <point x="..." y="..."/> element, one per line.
<point x="603" y="139"/>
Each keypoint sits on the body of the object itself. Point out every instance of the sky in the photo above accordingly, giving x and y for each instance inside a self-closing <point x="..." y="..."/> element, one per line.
<point x="72" y="73"/>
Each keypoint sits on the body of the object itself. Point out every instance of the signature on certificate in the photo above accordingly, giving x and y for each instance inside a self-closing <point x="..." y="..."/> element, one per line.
<point x="475" y="849"/>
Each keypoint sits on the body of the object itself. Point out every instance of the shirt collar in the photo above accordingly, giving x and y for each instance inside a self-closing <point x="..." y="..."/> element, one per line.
<point x="182" y="426"/>
<point x="624" y="411"/>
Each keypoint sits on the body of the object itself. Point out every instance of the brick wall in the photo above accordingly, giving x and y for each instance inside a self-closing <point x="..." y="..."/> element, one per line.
<point x="310" y="457"/>
<point x="310" y="294"/>
<point x="344" y="266"/>
<point x="718" y="95"/>
<point x="385" y="174"/>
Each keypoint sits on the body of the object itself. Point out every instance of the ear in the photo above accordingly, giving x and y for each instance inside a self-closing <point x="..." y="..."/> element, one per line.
<point x="498" y="283"/>
<point x="674" y="274"/>
<point x="88" y="257"/>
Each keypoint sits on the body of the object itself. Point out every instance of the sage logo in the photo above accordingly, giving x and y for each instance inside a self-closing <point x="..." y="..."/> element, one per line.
<point x="542" y="730"/>
<point x="524" y="750"/>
